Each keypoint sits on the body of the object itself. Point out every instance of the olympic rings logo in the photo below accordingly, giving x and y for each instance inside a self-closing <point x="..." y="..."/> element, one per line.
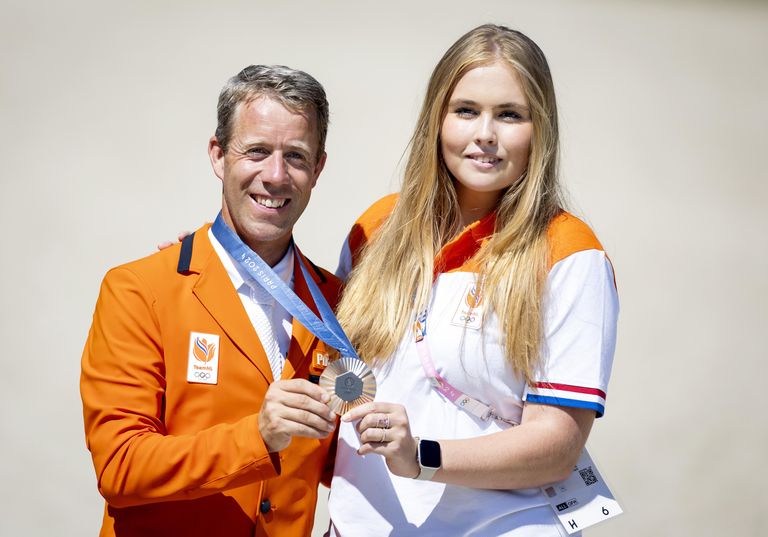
<point x="467" y="318"/>
<point x="202" y="375"/>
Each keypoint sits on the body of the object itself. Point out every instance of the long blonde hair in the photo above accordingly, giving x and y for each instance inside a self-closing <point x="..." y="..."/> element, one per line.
<point x="394" y="276"/>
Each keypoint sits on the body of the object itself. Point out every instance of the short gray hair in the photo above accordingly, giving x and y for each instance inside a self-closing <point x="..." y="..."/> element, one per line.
<point x="294" y="89"/>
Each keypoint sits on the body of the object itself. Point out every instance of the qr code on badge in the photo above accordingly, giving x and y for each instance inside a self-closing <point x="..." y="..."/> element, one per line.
<point x="588" y="476"/>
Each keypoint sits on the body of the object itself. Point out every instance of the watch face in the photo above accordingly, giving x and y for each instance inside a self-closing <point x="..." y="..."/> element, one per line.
<point x="429" y="454"/>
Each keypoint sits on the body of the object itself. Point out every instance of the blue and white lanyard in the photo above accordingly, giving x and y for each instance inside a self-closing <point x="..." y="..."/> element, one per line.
<point x="326" y="328"/>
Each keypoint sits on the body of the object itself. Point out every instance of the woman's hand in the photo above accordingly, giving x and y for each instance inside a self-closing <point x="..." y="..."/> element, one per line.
<point x="384" y="429"/>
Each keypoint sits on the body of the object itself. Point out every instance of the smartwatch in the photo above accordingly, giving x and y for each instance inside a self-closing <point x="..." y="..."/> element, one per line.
<point x="429" y="458"/>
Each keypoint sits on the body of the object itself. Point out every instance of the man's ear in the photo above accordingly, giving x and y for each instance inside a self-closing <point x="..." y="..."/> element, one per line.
<point x="319" y="167"/>
<point x="216" y="154"/>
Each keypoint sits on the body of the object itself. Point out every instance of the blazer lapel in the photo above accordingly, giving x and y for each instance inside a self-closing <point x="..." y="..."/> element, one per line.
<point x="215" y="291"/>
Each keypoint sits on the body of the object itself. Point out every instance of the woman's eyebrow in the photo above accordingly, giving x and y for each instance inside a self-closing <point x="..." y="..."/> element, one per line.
<point x="470" y="102"/>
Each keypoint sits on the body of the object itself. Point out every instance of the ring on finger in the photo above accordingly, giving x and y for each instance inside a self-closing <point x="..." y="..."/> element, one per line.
<point x="383" y="423"/>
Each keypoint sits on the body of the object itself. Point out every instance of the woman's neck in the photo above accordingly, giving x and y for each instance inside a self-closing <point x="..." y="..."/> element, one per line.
<point x="474" y="206"/>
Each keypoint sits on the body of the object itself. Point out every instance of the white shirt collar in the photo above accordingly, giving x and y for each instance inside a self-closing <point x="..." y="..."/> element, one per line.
<point x="283" y="268"/>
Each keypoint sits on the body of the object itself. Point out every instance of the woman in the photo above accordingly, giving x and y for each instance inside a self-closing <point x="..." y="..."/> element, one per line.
<point x="511" y="300"/>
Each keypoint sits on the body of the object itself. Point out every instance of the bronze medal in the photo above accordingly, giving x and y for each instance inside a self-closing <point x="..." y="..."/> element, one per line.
<point x="350" y="382"/>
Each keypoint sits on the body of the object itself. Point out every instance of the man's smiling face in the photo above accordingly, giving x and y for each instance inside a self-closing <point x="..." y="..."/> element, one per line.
<point x="268" y="171"/>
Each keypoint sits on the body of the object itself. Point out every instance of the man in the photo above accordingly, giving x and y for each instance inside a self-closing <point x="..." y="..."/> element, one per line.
<point x="198" y="406"/>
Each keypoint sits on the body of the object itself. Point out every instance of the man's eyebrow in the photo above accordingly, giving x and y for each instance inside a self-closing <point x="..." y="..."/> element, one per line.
<point x="250" y="142"/>
<point x="289" y="146"/>
<point x="297" y="143"/>
<point x="300" y="147"/>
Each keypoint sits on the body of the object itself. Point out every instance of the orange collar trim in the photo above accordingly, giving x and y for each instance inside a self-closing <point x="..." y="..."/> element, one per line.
<point x="458" y="251"/>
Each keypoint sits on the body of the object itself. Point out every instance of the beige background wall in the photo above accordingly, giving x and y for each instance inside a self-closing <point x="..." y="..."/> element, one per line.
<point x="106" y="108"/>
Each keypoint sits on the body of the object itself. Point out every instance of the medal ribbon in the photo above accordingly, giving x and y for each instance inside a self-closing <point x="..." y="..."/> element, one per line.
<point x="326" y="328"/>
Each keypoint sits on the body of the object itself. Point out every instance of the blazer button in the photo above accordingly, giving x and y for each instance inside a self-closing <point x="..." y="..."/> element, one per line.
<point x="265" y="506"/>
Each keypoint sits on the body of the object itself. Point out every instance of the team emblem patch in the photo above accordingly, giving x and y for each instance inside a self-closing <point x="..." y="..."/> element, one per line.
<point x="203" y="358"/>
<point x="469" y="313"/>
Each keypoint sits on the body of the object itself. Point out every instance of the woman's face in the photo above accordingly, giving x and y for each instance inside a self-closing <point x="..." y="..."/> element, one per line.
<point x="486" y="135"/>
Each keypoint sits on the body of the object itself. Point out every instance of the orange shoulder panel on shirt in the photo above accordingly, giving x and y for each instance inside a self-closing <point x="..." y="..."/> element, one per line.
<point x="369" y="222"/>
<point x="568" y="235"/>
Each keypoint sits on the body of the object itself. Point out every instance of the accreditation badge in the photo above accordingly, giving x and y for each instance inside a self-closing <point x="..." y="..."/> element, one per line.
<point x="349" y="382"/>
<point x="583" y="499"/>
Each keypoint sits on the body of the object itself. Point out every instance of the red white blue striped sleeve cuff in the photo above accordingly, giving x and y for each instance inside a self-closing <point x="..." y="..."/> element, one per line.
<point x="550" y="393"/>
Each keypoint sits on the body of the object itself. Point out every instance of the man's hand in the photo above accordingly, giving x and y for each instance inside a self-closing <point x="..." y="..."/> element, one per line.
<point x="291" y="408"/>
<point x="165" y="244"/>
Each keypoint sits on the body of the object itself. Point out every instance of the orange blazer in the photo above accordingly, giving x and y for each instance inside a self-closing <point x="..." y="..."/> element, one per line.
<point x="178" y="458"/>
